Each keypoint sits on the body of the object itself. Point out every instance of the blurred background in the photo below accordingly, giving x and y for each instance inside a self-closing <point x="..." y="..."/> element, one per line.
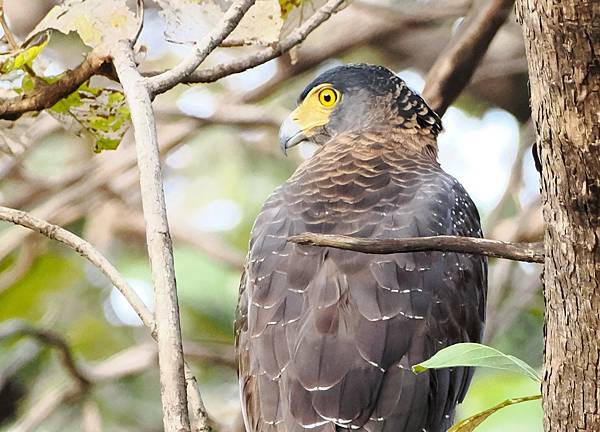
<point x="221" y="161"/>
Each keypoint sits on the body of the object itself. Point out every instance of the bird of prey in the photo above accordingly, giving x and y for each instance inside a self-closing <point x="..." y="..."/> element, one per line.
<point x="325" y="337"/>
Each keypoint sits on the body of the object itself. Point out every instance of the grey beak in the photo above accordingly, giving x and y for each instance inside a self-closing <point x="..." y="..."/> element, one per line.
<point x="290" y="134"/>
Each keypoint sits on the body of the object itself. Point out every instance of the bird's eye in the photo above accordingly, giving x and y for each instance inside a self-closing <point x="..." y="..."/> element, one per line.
<point x="328" y="97"/>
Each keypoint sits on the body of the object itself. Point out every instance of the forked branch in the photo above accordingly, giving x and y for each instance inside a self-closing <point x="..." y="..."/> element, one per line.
<point x="169" y="79"/>
<point x="158" y="238"/>
<point x="266" y="54"/>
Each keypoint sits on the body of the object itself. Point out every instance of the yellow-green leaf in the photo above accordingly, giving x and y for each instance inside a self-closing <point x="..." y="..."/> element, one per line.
<point x="473" y="354"/>
<point x="22" y="57"/>
<point x="469" y="424"/>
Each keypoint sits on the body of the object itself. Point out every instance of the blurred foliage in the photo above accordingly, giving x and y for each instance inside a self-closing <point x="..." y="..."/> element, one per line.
<point x="102" y="112"/>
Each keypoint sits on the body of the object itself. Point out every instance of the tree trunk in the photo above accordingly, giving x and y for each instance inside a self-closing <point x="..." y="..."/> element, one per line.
<point x="562" y="39"/>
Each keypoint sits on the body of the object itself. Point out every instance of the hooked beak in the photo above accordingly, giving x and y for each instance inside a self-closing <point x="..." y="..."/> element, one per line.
<point x="290" y="134"/>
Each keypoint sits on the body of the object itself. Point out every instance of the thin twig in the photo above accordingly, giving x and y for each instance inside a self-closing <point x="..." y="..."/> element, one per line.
<point x="24" y="261"/>
<point x="266" y="54"/>
<point x="221" y="356"/>
<point x="132" y="223"/>
<point x="46" y="406"/>
<point x="160" y="248"/>
<point x="167" y="80"/>
<point x="528" y="252"/>
<point x="454" y="68"/>
<point x="515" y="179"/>
<point x="130" y="361"/>
<point x="139" y="12"/>
<point x="20" y="328"/>
<point x="9" y="36"/>
<point x="84" y="249"/>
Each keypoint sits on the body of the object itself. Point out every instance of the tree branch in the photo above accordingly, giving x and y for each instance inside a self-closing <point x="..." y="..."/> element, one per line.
<point x="266" y="54"/>
<point x="528" y="252"/>
<point x="84" y="249"/>
<point x="48" y="95"/>
<point x="454" y="68"/>
<point x="160" y="248"/>
<point x="167" y="80"/>
<point x="51" y="401"/>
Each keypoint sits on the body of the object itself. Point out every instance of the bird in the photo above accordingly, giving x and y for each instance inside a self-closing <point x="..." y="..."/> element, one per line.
<point x="325" y="338"/>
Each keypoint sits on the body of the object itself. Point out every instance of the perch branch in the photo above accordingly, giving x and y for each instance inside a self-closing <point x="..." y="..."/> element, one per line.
<point x="169" y="79"/>
<point x="528" y="252"/>
<point x="48" y="95"/>
<point x="266" y="54"/>
<point x="454" y="68"/>
<point x="160" y="248"/>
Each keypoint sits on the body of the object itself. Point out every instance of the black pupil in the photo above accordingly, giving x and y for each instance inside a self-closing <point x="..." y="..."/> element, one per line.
<point x="327" y="97"/>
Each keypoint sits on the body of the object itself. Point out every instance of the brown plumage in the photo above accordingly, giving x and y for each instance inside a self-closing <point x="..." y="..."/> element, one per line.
<point x="326" y="338"/>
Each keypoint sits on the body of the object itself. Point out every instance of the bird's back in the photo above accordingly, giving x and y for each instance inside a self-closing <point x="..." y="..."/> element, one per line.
<point x="326" y="338"/>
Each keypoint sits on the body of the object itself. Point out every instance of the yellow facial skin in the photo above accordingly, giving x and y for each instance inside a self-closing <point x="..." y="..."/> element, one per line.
<point x="315" y="109"/>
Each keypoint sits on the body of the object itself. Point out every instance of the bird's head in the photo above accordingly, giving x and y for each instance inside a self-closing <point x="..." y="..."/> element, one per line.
<point x="356" y="98"/>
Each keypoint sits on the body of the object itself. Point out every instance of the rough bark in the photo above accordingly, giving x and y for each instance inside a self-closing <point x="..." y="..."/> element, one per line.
<point x="562" y="39"/>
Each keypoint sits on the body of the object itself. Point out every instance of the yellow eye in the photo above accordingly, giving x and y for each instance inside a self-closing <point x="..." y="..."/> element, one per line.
<point x="328" y="97"/>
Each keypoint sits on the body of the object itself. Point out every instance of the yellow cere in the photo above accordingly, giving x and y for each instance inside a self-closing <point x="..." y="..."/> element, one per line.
<point x="316" y="107"/>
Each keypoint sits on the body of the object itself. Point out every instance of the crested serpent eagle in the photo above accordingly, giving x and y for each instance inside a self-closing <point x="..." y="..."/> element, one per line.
<point x="326" y="338"/>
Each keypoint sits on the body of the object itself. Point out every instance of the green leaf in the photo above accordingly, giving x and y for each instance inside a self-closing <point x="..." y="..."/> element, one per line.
<point x="473" y="354"/>
<point x="23" y="57"/>
<point x="469" y="424"/>
<point x="102" y="112"/>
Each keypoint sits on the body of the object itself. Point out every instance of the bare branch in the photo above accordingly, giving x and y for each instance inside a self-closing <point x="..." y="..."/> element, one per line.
<point x="84" y="249"/>
<point x="167" y="80"/>
<point x="9" y="36"/>
<point x="379" y="23"/>
<point x="515" y="179"/>
<point x="266" y="54"/>
<point x="45" y="407"/>
<point x="90" y="417"/>
<point x="528" y="252"/>
<point x="160" y="248"/>
<point x="48" y="95"/>
<point x="24" y="261"/>
<point x="454" y="68"/>
<point x="130" y="361"/>
<point x="20" y="328"/>
<point x="222" y="356"/>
